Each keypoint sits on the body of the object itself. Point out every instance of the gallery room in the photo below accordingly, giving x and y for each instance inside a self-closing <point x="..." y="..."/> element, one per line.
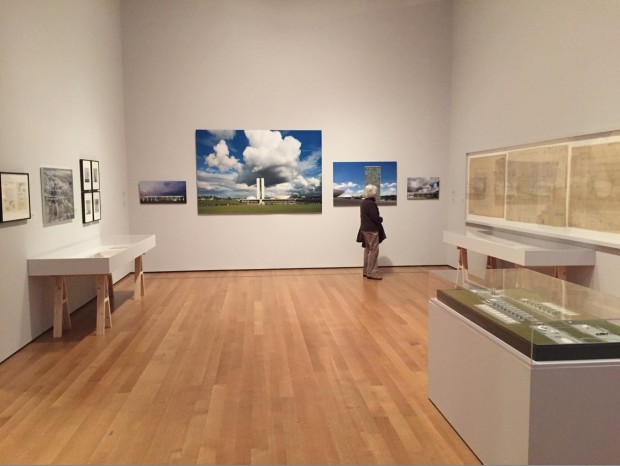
<point x="181" y="186"/>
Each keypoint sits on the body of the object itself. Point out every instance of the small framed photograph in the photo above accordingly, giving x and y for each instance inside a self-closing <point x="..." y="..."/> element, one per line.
<point x="96" y="206"/>
<point x="85" y="175"/>
<point x="15" y="194"/>
<point x="162" y="192"/>
<point x="87" y="207"/>
<point x="94" y="174"/>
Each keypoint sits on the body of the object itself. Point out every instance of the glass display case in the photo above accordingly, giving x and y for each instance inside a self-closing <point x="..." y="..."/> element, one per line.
<point x="545" y="318"/>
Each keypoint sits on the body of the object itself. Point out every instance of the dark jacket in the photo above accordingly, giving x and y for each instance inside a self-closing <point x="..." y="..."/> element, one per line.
<point x="370" y="220"/>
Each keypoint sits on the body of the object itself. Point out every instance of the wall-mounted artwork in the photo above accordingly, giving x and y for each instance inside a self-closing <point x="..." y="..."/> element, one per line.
<point x="258" y="171"/>
<point x="420" y="188"/>
<point x="90" y="182"/>
<point x="85" y="175"/>
<point x="57" y="195"/>
<point x="15" y="194"/>
<point x="162" y="192"/>
<point x="565" y="188"/>
<point x="94" y="169"/>
<point x="351" y="178"/>
<point x="96" y="206"/>
<point x="87" y="207"/>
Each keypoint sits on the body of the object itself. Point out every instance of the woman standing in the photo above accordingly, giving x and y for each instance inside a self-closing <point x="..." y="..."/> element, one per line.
<point x="371" y="232"/>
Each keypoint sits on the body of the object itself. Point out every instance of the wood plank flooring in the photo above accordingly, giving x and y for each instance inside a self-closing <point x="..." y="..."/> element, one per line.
<point x="241" y="367"/>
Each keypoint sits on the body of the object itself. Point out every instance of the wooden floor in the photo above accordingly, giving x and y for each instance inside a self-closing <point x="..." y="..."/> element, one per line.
<point x="269" y="367"/>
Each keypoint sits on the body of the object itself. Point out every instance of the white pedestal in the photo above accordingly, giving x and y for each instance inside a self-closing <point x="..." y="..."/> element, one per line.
<point x="98" y="257"/>
<point x="513" y="410"/>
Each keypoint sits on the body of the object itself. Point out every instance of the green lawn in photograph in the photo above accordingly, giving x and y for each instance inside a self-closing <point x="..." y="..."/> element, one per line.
<point x="224" y="207"/>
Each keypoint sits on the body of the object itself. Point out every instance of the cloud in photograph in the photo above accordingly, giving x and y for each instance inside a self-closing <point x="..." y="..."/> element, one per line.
<point x="221" y="159"/>
<point x="243" y="156"/>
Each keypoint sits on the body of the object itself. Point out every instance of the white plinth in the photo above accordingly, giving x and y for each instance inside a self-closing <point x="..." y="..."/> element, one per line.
<point x="520" y="250"/>
<point x="513" y="410"/>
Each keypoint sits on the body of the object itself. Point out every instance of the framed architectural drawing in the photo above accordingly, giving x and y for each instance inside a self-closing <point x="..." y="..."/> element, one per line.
<point x="566" y="188"/>
<point x="258" y="171"/>
<point x="351" y="178"/>
<point x="57" y="195"/>
<point x="420" y="188"/>
<point x="15" y="194"/>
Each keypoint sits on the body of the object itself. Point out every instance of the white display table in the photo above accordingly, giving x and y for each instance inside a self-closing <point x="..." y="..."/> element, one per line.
<point x="520" y="250"/>
<point x="510" y="409"/>
<point x="98" y="257"/>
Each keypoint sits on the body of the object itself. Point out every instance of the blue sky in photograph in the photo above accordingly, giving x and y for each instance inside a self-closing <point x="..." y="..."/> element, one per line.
<point x="229" y="161"/>
<point x="350" y="177"/>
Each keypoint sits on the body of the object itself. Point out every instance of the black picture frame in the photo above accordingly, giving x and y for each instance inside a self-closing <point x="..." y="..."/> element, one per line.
<point x="95" y="175"/>
<point x="86" y="175"/>
<point x="87" y="207"/>
<point x="15" y="197"/>
<point x="96" y="206"/>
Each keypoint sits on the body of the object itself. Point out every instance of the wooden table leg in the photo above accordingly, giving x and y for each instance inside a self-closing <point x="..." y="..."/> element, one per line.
<point x="110" y="286"/>
<point x="462" y="258"/>
<point x="491" y="262"/>
<point x="104" y="311"/>
<point x="62" y="319"/>
<point x="138" y="279"/>
<point x="560" y="272"/>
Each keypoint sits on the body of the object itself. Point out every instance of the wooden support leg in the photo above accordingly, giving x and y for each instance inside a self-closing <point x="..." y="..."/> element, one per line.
<point x="462" y="258"/>
<point x="138" y="279"/>
<point x="491" y="262"/>
<point x="560" y="272"/>
<point x="104" y="311"/>
<point x="110" y="286"/>
<point x="62" y="319"/>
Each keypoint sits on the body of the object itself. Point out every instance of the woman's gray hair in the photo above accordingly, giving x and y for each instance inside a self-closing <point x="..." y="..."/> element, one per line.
<point x="370" y="191"/>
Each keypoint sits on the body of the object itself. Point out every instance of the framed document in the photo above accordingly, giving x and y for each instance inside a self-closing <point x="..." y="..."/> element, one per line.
<point x="15" y="193"/>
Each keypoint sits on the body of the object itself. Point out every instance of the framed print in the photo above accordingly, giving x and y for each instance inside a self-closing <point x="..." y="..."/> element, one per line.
<point x="255" y="172"/>
<point x="94" y="174"/>
<point x="351" y="178"/>
<point x="85" y="175"/>
<point x="421" y="188"/>
<point x="15" y="193"/>
<point x="162" y="192"/>
<point x="96" y="206"/>
<point x="87" y="207"/>
<point x="57" y="195"/>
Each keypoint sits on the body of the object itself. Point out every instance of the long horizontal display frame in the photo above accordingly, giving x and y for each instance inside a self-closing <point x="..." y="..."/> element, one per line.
<point x="565" y="188"/>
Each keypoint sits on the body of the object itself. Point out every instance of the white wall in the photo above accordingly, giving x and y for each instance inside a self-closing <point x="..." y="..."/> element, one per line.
<point x="373" y="75"/>
<point x="62" y="99"/>
<point x="529" y="71"/>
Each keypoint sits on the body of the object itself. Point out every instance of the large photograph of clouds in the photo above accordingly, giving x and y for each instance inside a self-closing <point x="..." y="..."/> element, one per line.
<point x="258" y="171"/>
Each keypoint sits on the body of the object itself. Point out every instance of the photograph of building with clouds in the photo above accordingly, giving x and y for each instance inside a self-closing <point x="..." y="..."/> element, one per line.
<point x="350" y="179"/>
<point x="258" y="171"/>
<point x="420" y="188"/>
